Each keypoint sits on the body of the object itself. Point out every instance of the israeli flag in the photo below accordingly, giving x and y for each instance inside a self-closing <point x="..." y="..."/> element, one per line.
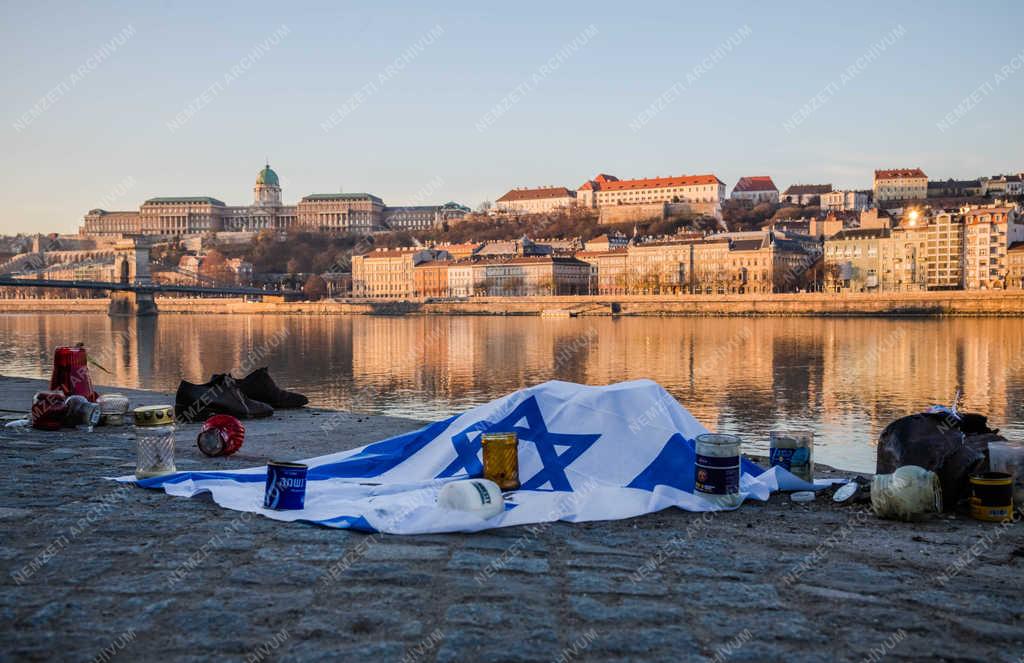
<point x="585" y="453"/>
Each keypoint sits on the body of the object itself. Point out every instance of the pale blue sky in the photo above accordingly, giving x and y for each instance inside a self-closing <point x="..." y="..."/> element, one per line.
<point x="105" y="140"/>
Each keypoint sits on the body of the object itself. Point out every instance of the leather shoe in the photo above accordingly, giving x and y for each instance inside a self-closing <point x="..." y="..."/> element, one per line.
<point x="221" y="395"/>
<point x="260" y="386"/>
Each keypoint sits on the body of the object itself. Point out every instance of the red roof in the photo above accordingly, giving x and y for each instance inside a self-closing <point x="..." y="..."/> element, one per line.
<point x="756" y="183"/>
<point x="899" y="173"/>
<point x="616" y="184"/>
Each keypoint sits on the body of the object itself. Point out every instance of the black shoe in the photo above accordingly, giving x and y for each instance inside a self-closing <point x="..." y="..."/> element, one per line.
<point x="260" y="386"/>
<point x="221" y="395"/>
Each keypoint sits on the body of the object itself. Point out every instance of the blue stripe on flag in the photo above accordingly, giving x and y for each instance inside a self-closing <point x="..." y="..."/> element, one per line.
<point x="379" y="457"/>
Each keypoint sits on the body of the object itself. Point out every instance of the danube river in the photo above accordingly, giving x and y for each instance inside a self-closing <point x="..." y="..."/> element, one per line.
<point x="843" y="378"/>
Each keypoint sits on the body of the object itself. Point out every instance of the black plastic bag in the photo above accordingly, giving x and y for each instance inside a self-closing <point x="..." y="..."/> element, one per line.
<point x="953" y="447"/>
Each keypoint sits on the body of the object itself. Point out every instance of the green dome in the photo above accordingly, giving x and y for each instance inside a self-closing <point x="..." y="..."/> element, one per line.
<point x="268" y="177"/>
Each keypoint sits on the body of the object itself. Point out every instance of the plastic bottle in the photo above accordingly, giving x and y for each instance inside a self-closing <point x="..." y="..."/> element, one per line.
<point x="910" y="493"/>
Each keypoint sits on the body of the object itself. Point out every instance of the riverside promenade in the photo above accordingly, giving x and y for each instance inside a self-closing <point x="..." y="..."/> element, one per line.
<point x="991" y="303"/>
<point x="93" y="570"/>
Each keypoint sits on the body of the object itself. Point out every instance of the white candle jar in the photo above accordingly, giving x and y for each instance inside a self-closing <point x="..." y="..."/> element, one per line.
<point x="154" y="438"/>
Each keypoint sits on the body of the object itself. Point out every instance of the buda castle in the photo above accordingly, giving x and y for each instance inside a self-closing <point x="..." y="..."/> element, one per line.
<point x="357" y="213"/>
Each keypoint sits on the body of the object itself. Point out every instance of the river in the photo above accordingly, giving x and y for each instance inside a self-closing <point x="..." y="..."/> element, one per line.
<point x="845" y="379"/>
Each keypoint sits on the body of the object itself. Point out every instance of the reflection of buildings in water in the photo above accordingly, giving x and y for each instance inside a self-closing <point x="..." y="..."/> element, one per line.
<point x="846" y="377"/>
<point x="876" y="365"/>
<point x="456" y="357"/>
<point x="130" y="351"/>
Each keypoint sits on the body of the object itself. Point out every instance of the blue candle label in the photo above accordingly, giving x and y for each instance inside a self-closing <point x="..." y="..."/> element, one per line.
<point x="796" y="461"/>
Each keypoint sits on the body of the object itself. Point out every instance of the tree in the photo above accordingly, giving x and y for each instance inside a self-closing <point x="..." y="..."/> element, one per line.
<point x="315" y="288"/>
<point x="215" y="267"/>
<point x="294" y="266"/>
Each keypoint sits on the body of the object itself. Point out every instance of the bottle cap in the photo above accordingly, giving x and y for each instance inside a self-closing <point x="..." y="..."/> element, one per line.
<point x="153" y="415"/>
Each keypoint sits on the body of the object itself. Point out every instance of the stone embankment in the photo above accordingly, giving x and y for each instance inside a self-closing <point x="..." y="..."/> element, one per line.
<point x="89" y="567"/>
<point x="948" y="303"/>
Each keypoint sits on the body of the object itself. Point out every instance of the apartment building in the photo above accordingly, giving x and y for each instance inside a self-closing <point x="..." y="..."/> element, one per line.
<point x="988" y="234"/>
<point x="705" y="192"/>
<point x="805" y="194"/>
<point x="540" y="200"/>
<point x="756" y="189"/>
<point x="900" y="184"/>
<point x="389" y="273"/>
<point x="845" y="201"/>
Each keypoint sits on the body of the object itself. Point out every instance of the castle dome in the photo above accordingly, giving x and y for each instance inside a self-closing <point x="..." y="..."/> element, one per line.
<point x="267" y="177"/>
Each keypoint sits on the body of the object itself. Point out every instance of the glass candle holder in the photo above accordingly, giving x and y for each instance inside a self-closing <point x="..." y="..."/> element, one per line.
<point x="154" y="436"/>
<point x="717" y="468"/>
<point x="501" y="459"/>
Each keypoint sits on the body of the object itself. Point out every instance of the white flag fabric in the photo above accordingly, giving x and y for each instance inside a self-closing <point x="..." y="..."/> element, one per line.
<point x="585" y="453"/>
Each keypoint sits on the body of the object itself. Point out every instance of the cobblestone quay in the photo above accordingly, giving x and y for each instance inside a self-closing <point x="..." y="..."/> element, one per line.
<point x="96" y="571"/>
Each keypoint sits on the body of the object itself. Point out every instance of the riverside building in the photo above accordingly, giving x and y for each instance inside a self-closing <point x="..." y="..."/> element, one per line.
<point x="704" y="192"/>
<point x="900" y="184"/>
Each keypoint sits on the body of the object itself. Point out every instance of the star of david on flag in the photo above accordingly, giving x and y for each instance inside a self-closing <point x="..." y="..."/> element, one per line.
<point x="585" y="453"/>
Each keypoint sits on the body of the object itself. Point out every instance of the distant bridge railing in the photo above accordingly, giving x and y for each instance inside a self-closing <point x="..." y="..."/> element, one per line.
<point x="153" y="288"/>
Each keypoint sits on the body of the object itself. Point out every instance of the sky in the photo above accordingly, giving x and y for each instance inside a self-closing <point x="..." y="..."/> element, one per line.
<point x="106" y="105"/>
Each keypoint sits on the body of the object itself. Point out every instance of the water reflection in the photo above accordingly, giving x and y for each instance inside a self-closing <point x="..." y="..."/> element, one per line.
<point x="845" y="378"/>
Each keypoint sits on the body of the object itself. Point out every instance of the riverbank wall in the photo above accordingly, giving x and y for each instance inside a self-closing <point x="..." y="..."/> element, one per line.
<point x="951" y="303"/>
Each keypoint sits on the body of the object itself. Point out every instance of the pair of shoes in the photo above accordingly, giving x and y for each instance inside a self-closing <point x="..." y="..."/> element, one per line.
<point x="255" y="395"/>
<point x="221" y="395"/>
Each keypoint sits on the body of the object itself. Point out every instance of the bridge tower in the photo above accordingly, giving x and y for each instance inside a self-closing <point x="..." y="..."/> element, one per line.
<point x="131" y="268"/>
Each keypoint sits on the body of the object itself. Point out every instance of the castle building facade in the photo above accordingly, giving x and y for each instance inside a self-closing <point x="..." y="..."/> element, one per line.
<point x="360" y="213"/>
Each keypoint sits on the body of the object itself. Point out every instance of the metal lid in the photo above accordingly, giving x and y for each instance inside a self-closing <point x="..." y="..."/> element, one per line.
<point x="154" y="415"/>
<point x="845" y="492"/>
<point x="113" y="403"/>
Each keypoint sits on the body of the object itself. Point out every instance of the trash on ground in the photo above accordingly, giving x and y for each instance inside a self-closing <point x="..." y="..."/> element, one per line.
<point x="846" y="492"/>
<point x="80" y="412"/>
<point x="1009" y="458"/>
<point x="945" y="441"/>
<point x="793" y="451"/>
<point x="803" y="496"/>
<point x="992" y="496"/>
<point x="285" y="489"/>
<point x="481" y="497"/>
<point x="910" y="493"/>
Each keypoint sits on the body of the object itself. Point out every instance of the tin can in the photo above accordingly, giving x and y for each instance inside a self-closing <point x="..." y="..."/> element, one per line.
<point x="81" y="412"/>
<point x="501" y="459"/>
<point x="286" y="486"/>
<point x="793" y="451"/>
<point x="992" y="496"/>
<point x="717" y="468"/>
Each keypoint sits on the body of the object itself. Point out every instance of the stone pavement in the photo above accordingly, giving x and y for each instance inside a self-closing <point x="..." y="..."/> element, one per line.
<point x="93" y="571"/>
